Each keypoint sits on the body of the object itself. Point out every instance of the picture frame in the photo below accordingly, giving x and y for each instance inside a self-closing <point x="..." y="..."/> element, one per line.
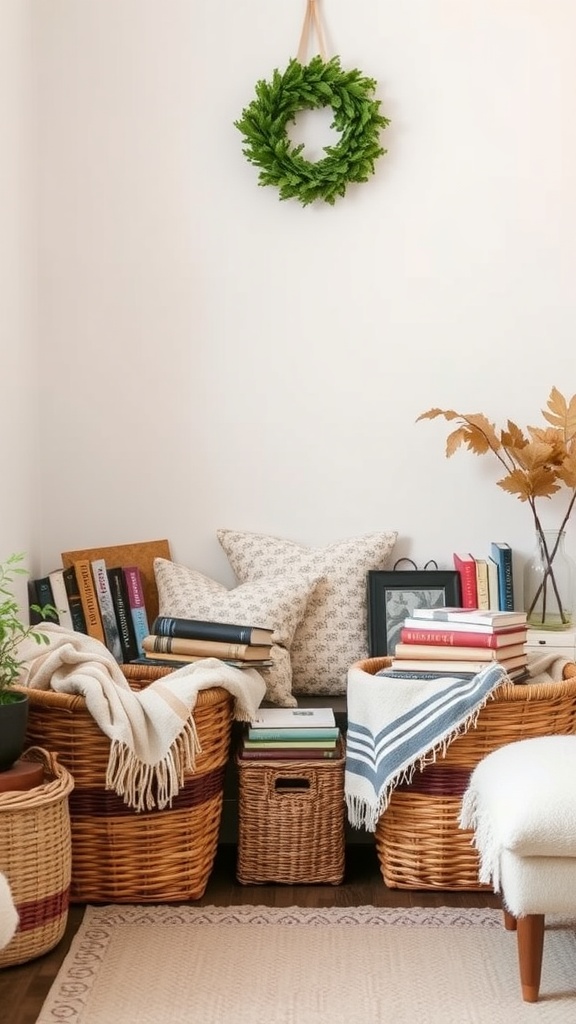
<point x="393" y="595"/>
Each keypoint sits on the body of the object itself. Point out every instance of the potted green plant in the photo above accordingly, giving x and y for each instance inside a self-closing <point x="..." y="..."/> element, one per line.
<point x="14" y="703"/>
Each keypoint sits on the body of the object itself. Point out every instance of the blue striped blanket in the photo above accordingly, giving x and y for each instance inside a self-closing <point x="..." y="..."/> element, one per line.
<point x="398" y="725"/>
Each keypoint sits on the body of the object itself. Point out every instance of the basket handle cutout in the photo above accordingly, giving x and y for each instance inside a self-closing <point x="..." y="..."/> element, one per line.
<point x="291" y="783"/>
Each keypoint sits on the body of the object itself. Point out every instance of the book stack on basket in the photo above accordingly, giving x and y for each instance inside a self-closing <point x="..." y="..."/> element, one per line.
<point x="292" y="734"/>
<point x="174" y="642"/>
<point x="457" y="641"/>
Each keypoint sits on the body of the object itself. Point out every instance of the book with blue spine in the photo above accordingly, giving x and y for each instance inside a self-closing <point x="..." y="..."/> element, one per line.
<point x="502" y="555"/>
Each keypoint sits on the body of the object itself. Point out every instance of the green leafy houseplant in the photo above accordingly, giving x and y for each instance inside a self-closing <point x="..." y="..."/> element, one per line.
<point x="12" y="630"/>
<point x="537" y="462"/>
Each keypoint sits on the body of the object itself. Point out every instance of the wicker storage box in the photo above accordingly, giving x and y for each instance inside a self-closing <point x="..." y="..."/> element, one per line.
<point x="418" y="840"/>
<point x="119" y="855"/>
<point x="36" y="859"/>
<point x="291" y="821"/>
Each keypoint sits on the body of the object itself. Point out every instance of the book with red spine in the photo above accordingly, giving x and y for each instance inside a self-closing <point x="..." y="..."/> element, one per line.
<point x="458" y="638"/>
<point x="465" y="565"/>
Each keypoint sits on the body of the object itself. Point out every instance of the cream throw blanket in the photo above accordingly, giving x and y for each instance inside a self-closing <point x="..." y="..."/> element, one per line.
<point x="153" y="739"/>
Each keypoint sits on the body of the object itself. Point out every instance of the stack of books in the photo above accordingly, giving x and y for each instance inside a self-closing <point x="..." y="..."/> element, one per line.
<point x="458" y="641"/>
<point x="289" y="734"/>
<point x="177" y="641"/>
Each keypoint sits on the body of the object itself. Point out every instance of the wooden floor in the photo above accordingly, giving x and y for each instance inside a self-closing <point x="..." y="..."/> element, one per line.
<point x="24" y="988"/>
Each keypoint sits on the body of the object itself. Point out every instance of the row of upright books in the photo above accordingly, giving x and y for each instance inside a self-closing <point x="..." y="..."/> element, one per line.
<point x="109" y="605"/>
<point x="291" y="734"/>
<point x="459" y="641"/>
<point x="487" y="583"/>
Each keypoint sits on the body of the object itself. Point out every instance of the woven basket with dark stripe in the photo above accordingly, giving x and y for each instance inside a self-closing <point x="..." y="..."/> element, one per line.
<point x="118" y="854"/>
<point x="36" y="859"/>
<point x="418" y="839"/>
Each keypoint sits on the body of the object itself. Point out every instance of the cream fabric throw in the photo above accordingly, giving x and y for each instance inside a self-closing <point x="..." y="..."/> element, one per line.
<point x="153" y="739"/>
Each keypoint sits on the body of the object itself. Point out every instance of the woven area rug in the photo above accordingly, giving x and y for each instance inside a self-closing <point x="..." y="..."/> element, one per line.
<point x="261" y="965"/>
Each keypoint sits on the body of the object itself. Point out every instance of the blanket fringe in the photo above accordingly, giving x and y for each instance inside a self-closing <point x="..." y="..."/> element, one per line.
<point x="145" y="786"/>
<point x="366" y="814"/>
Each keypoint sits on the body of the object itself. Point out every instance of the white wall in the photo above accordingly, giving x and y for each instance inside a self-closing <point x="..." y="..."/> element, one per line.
<point x="213" y="357"/>
<point x="18" y="399"/>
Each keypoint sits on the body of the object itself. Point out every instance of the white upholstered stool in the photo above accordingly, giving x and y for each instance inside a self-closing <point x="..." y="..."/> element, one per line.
<point x="521" y="804"/>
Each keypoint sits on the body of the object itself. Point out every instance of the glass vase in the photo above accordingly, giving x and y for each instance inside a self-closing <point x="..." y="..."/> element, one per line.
<point x="550" y="583"/>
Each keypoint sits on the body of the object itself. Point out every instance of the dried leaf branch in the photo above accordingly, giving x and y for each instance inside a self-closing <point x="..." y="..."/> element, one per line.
<point x="537" y="461"/>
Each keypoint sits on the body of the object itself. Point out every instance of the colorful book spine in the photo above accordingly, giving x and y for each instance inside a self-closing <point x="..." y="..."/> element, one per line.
<point x="465" y="565"/>
<point x="502" y="555"/>
<point x="293" y="734"/>
<point x="458" y="638"/>
<point x="74" y="600"/>
<point x="123" y="614"/>
<point x="89" y="599"/>
<point x="137" y="603"/>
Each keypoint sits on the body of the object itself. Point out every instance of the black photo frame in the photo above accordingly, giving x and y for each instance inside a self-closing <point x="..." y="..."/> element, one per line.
<point x="393" y="595"/>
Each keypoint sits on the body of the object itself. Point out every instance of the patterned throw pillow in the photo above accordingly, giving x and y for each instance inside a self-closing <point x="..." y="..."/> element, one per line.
<point x="277" y="602"/>
<point x="334" y="631"/>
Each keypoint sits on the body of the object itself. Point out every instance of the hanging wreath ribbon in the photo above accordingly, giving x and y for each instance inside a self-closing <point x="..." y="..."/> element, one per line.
<point x="320" y="83"/>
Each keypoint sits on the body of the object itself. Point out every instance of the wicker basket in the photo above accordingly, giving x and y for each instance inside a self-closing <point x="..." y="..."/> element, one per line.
<point x="418" y="839"/>
<point x="36" y="859"/>
<point x="119" y="855"/>
<point x="291" y="821"/>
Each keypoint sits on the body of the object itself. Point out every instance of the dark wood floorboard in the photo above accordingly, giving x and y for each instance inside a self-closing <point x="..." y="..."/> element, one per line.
<point x="23" y="989"/>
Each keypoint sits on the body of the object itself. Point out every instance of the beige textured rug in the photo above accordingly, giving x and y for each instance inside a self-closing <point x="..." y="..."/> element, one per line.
<point x="261" y="965"/>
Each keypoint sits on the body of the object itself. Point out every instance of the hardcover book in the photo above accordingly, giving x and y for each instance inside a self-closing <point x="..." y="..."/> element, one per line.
<point x="290" y="718"/>
<point x="483" y="596"/>
<point x="465" y="565"/>
<point x="469" y="637"/>
<point x="289" y="744"/>
<point x="443" y="652"/>
<point x="502" y="555"/>
<point x="294" y="734"/>
<point x="184" y="659"/>
<point x="197" y="629"/>
<point x="469" y="616"/>
<point x="56" y="578"/>
<point x="123" y="613"/>
<point x="74" y="600"/>
<point x="448" y="666"/>
<point x="206" y="648"/>
<point x="45" y="596"/>
<point x="107" y="613"/>
<point x="90" y="605"/>
<point x="137" y="604"/>
<point x="310" y="754"/>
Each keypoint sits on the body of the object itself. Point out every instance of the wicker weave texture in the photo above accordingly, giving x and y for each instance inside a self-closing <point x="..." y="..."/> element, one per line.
<point x="419" y="842"/>
<point x="35" y="856"/>
<point x="119" y="855"/>
<point x="291" y="821"/>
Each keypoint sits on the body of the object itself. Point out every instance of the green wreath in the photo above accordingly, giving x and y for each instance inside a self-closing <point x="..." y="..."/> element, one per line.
<point x="356" y="115"/>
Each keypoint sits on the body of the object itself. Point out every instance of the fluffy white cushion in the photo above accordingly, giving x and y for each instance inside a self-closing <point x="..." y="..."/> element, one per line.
<point x="334" y="632"/>
<point x="275" y="602"/>
<point x="521" y="798"/>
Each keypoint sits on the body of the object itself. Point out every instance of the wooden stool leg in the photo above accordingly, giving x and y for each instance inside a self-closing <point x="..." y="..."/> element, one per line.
<point x="530" y="940"/>
<point x="509" y="921"/>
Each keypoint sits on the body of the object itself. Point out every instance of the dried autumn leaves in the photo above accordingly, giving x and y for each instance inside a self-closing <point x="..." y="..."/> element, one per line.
<point x="537" y="461"/>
